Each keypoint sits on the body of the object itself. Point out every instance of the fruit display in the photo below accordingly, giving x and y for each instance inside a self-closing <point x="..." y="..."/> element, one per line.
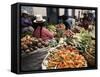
<point x="29" y="43"/>
<point x="64" y="57"/>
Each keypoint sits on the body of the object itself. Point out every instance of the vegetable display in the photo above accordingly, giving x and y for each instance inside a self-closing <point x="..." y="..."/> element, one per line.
<point x="29" y="43"/>
<point x="71" y="48"/>
<point x="69" y="33"/>
<point x="84" y="40"/>
<point x="51" y="28"/>
<point x="64" y="57"/>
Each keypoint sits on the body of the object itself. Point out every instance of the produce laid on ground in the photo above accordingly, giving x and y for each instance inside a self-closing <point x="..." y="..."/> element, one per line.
<point x="73" y="48"/>
<point x="84" y="41"/>
<point x="64" y="57"/>
<point x="29" y="43"/>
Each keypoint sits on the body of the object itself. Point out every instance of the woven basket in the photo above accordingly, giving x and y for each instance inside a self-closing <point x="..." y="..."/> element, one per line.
<point x="90" y="59"/>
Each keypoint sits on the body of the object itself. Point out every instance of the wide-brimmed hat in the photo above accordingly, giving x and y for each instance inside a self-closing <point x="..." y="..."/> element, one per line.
<point x="25" y="12"/>
<point x="38" y="19"/>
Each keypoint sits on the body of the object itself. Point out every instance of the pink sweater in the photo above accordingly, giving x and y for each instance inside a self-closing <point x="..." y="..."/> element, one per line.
<point x="45" y="34"/>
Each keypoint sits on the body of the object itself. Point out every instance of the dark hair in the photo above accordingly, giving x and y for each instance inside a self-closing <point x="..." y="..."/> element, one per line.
<point x="38" y="24"/>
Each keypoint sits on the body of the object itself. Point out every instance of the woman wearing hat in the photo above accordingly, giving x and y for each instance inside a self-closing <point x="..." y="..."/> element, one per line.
<point x="26" y="22"/>
<point x="40" y="30"/>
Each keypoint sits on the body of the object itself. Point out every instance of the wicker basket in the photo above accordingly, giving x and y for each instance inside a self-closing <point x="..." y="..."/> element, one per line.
<point x="90" y="59"/>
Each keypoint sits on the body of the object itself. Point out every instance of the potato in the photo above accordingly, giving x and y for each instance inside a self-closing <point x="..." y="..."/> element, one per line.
<point x="39" y="45"/>
<point x="28" y="37"/>
<point x="42" y="46"/>
<point x="31" y="49"/>
<point x="27" y="51"/>
<point x="23" y="39"/>
<point x="32" y="39"/>
<point x="22" y="44"/>
<point x="46" y="44"/>
<point x="25" y="46"/>
<point x="27" y="41"/>
<point x="30" y="43"/>
<point x="40" y="40"/>
<point x="35" y="47"/>
<point x="43" y="43"/>
<point x="36" y="41"/>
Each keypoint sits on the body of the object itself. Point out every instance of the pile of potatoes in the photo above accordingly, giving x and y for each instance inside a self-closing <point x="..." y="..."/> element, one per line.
<point x="30" y="43"/>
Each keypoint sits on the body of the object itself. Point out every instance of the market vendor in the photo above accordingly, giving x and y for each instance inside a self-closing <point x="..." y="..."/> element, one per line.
<point x="85" y="21"/>
<point x="26" y="22"/>
<point x="69" y="22"/>
<point x="40" y="31"/>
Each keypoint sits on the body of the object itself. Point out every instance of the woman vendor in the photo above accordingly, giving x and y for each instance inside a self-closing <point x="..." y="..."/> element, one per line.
<point x="40" y="30"/>
<point x="26" y="22"/>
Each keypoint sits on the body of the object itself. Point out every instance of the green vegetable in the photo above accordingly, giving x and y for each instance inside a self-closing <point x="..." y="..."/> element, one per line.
<point x="51" y="28"/>
<point x="53" y="43"/>
<point x="83" y="40"/>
